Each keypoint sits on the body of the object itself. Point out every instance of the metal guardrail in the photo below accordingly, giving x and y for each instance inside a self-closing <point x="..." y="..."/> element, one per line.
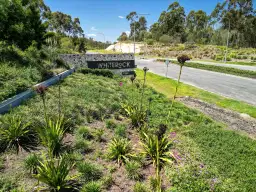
<point x="15" y="101"/>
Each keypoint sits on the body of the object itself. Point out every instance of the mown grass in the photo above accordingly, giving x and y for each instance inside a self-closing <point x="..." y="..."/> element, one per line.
<point x="220" y="69"/>
<point x="212" y="157"/>
<point x="167" y="87"/>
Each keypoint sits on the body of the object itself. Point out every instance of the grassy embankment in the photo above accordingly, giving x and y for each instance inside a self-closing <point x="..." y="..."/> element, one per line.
<point x="167" y="87"/>
<point x="210" y="158"/>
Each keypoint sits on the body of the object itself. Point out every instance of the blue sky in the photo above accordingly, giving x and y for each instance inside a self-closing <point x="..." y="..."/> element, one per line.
<point x="102" y="16"/>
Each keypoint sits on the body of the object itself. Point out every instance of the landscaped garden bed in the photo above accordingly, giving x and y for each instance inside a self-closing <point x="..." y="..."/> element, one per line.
<point x="95" y="133"/>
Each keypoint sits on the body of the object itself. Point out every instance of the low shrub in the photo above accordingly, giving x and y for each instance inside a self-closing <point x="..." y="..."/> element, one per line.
<point x="31" y="163"/>
<point x="16" y="134"/>
<point x="110" y="124"/>
<point x="99" y="72"/>
<point x="89" y="172"/>
<point x="107" y="181"/>
<point x="61" y="63"/>
<point x="120" y="131"/>
<point x="133" y="170"/>
<point x="245" y="57"/>
<point x="140" y="187"/>
<point x="84" y="132"/>
<point x="54" y="173"/>
<point x="82" y="145"/>
<point x="98" y="133"/>
<point x="92" y="187"/>
<point x="7" y="184"/>
<point x="119" y="149"/>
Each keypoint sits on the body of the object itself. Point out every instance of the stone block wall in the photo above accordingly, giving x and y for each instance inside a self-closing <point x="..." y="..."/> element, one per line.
<point x="80" y="60"/>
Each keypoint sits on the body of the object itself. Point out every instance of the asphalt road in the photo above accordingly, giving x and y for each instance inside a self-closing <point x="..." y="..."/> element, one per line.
<point x="239" y="88"/>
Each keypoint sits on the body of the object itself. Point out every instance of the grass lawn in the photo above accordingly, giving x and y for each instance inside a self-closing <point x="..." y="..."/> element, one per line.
<point x="208" y="157"/>
<point x="167" y="87"/>
<point x="220" y="69"/>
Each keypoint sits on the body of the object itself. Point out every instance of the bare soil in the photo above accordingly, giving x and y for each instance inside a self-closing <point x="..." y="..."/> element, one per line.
<point x="234" y="120"/>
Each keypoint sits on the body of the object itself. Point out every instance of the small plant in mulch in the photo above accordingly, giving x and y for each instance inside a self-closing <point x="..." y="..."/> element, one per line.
<point x="16" y="134"/>
<point x="110" y="124"/>
<point x="157" y="147"/>
<point x="120" y="149"/>
<point x="89" y="171"/>
<point x="133" y="170"/>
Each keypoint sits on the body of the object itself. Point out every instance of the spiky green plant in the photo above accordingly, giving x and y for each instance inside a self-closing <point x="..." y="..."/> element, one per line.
<point x="31" y="162"/>
<point x="54" y="173"/>
<point x="15" y="134"/>
<point x="52" y="135"/>
<point x="137" y="116"/>
<point x="158" y="150"/>
<point x="92" y="187"/>
<point x="133" y="170"/>
<point x="98" y="134"/>
<point x="89" y="171"/>
<point x="84" y="132"/>
<point x="120" y="150"/>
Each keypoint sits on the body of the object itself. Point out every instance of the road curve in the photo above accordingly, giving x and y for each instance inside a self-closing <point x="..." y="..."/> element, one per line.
<point x="239" y="88"/>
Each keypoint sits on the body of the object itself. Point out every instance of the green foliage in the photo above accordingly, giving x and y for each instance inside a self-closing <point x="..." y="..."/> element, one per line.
<point x="111" y="124"/>
<point x="107" y="181"/>
<point x="135" y="113"/>
<point x="16" y="134"/>
<point x="14" y="80"/>
<point x="61" y="63"/>
<point x="52" y="135"/>
<point x="98" y="133"/>
<point x="102" y="72"/>
<point x="82" y="145"/>
<point x="140" y="187"/>
<point x="92" y="187"/>
<point x="21" y="23"/>
<point x="32" y="162"/>
<point x="120" y="130"/>
<point x="166" y="39"/>
<point x="133" y="170"/>
<point x="7" y="184"/>
<point x="84" y="132"/>
<point x="89" y="172"/>
<point x="54" y="173"/>
<point x="119" y="149"/>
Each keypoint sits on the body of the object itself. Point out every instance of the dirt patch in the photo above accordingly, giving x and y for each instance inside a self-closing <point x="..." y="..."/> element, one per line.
<point x="234" y="120"/>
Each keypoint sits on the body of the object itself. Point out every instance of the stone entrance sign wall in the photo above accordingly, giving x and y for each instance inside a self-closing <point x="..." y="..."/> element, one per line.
<point x="119" y="63"/>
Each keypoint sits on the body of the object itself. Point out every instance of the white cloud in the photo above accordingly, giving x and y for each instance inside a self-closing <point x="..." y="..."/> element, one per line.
<point x="93" y="29"/>
<point x="121" y="17"/>
<point x="127" y="32"/>
<point x="91" y="35"/>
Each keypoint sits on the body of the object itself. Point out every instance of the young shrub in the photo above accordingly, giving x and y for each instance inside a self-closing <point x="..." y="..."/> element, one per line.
<point x="82" y="146"/>
<point x="98" y="133"/>
<point x="140" y="187"/>
<point x="158" y="150"/>
<point x="61" y="63"/>
<point x="7" y="184"/>
<point x="107" y="181"/>
<point x="52" y="136"/>
<point x="84" y="132"/>
<point x="120" y="150"/>
<point x="92" y="187"/>
<point x="133" y="170"/>
<point x="120" y="131"/>
<point x="110" y="124"/>
<point x="31" y="163"/>
<point x="89" y="172"/>
<point x="153" y="183"/>
<point x="16" y="134"/>
<point x="54" y="173"/>
<point x="137" y="116"/>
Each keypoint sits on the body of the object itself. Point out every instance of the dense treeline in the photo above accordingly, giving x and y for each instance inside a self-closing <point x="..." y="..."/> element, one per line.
<point x="26" y="21"/>
<point x="235" y="16"/>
